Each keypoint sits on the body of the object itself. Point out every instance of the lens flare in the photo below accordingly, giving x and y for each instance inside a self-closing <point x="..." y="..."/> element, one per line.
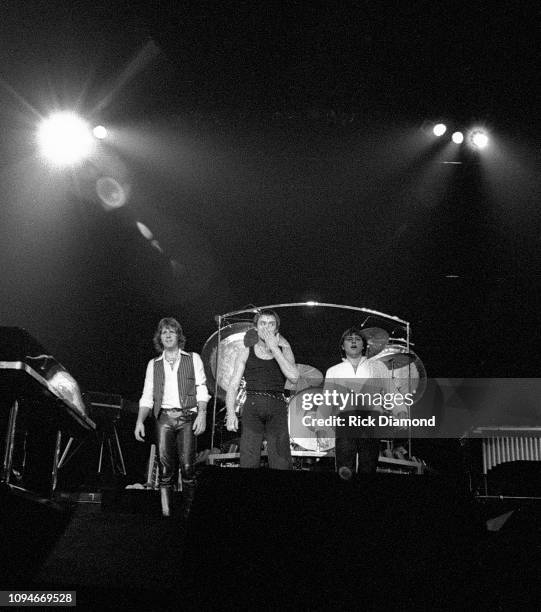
<point x="111" y="192"/>
<point x="145" y="231"/>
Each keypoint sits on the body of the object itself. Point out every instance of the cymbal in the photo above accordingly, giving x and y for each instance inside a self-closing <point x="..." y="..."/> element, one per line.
<point x="397" y="360"/>
<point x="402" y="370"/>
<point x="376" y="339"/>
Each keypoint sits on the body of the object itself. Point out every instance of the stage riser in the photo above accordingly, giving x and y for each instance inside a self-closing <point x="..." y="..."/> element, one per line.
<point x="312" y="535"/>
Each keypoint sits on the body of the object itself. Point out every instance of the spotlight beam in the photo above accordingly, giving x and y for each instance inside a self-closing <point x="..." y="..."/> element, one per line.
<point x="143" y="57"/>
<point x="19" y="98"/>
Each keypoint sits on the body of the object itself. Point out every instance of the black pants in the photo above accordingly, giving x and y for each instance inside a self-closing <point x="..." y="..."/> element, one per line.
<point x="175" y="440"/>
<point x="362" y="441"/>
<point x="265" y="416"/>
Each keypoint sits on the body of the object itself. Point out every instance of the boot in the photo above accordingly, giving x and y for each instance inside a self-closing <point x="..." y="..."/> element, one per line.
<point x="188" y="491"/>
<point x="345" y="473"/>
<point x="165" y="498"/>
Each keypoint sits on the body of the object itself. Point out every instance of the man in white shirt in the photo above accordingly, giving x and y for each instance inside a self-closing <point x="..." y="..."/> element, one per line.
<point x="357" y="377"/>
<point x="175" y="391"/>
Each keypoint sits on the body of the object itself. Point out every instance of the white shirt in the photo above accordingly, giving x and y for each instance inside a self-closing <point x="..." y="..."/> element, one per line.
<point x="371" y="376"/>
<point x="367" y="369"/>
<point x="170" y="397"/>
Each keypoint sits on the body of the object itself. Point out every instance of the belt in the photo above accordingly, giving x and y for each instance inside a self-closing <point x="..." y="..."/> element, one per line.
<point x="177" y="409"/>
<point x="276" y="394"/>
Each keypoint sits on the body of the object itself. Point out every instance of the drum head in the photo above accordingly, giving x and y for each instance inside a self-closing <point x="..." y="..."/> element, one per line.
<point x="231" y="340"/>
<point x="321" y="440"/>
<point x="308" y="377"/>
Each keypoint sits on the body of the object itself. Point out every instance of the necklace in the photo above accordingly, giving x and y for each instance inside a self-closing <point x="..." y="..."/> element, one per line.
<point x="171" y="360"/>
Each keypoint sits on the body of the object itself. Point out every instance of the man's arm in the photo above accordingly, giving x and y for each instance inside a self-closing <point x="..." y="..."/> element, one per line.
<point x="281" y="351"/>
<point x="145" y="403"/>
<point x="202" y="395"/>
<point x="232" y="421"/>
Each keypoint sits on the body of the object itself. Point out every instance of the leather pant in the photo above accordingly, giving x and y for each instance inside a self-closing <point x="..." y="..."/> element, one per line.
<point x="176" y="442"/>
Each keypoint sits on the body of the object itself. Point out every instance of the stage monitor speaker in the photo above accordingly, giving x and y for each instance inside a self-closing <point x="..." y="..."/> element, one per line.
<point x="269" y="536"/>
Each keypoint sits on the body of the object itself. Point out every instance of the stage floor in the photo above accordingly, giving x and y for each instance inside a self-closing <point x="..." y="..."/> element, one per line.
<point x="313" y="544"/>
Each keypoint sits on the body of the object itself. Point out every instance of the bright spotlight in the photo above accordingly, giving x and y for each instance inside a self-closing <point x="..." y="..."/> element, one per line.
<point x="439" y="129"/>
<point x="64" y="138"/>
<point x="100" y="132"/>
<point x="457" y="137"/>
<point x="478" y="139"/>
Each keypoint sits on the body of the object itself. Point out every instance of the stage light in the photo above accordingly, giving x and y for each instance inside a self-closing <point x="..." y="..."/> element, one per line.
<point x="457" y="137"/>
<point x="100" y="132"/>
<point x="439" y="129"/>
<point x="64" y="138"/>
<point x="478" y="139"/>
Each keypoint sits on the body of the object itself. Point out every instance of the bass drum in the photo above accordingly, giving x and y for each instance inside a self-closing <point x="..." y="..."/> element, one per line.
<point x="404" y="372"/>
<point x="301" y="436"/>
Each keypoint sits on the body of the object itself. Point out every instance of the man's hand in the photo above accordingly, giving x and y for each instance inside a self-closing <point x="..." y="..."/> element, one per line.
<point x="231" y="422"/>
<point x="200" y="423"/>
<point x="271" y="338"/>
<point x="139" y="431"/>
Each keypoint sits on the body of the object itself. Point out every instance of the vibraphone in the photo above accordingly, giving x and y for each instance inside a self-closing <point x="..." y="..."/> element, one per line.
<point x="506" y="444"/>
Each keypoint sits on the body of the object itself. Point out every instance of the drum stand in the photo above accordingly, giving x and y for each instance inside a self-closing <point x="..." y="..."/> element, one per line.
<point x="409" y="386"/>
<point x="115" y="451"/>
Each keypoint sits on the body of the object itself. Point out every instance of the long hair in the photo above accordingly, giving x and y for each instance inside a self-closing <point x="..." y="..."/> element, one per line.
<point x="175" y="326"/>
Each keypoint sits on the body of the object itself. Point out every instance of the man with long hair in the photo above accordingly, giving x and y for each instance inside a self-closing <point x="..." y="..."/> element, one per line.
<point x="176" y="394"/>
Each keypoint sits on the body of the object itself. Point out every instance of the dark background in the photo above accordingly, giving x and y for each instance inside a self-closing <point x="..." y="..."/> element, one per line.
<point x="276" y="153"/>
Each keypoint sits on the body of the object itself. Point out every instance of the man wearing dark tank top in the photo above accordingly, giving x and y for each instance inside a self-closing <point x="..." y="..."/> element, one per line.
<point x="265" y="367"/>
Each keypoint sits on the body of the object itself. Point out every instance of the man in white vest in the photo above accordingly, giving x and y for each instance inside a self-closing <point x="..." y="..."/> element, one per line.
<point x="175" y="392"/>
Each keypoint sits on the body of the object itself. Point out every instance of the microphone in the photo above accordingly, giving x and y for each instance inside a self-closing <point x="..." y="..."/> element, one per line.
<point x="251" y="337"/>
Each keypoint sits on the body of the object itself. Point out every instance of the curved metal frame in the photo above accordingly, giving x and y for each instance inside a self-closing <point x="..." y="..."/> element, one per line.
<point x="255" y="309"/>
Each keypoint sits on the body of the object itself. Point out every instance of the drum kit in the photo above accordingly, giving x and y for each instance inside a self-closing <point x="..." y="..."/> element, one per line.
<point x="403" y="370"/>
